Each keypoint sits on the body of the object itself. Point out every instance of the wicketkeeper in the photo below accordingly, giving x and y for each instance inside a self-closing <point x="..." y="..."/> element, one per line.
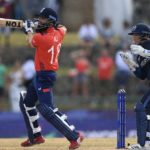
<point x="47" y="40"/>
<point x="140" y="66"/>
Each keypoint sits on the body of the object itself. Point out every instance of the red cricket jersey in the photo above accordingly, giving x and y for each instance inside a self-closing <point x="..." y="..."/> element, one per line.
<point x="105" y="68"/>
<point x="47" y="49"/>
<point x="82" y="65"/>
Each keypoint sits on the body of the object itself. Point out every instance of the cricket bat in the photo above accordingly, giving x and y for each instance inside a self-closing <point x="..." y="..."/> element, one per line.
<point x="12" y="23"/>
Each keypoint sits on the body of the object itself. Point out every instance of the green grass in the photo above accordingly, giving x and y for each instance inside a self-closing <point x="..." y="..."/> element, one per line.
<point x="18" y="39"/>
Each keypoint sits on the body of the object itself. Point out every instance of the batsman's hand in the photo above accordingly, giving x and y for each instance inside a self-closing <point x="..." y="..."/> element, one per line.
<point x="128" y="60"/>
<point x="28" y="24"/>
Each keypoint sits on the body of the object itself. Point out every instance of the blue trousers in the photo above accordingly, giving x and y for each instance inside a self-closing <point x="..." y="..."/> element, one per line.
<point x="142" y="110"/>
<point x="40" y="94"/>
<point x="40" y="90"/>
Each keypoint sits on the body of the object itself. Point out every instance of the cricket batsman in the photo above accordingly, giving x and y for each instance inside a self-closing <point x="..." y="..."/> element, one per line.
<point x="39" y="96"/>
<point x="140" y="66"/>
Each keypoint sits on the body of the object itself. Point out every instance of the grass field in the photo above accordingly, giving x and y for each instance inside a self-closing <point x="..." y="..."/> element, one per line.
<point x="62" y="144"/>
<point x="19" y="39"/>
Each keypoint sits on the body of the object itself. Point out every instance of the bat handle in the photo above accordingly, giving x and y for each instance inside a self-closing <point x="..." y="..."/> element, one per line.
<point x="32" y="24"/>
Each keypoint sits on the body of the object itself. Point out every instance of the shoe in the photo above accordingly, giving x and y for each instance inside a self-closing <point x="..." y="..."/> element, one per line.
<point x="135" y="147"/>
<point x="147" y="145"/>
<point x="76" y="144"/>
<point x="37" y="140"/>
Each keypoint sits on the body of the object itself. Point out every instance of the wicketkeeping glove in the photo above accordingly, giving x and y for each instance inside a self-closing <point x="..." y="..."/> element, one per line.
<point x="128" y="60"/>
<point x="139" y="50"/>
<point x="28" y="24"/>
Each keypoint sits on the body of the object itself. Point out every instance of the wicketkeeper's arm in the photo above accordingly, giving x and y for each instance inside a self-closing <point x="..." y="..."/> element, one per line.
<point x="134" y="67"/>
<point x="128" y="60"/>
<point x="139" y="50"/>
<point x="139" y="73"/>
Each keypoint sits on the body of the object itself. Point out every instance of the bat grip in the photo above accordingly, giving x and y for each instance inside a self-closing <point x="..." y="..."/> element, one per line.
<point x="32" y="24"/>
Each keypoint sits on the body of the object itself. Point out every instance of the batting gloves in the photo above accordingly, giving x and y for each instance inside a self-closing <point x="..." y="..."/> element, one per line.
<point x="28" y="24"/>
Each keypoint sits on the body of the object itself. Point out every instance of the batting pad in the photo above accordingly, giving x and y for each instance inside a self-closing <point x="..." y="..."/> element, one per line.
<point x="58" y="121"/>
<point x="141" y="123"/>
<point x="30" y="117"/>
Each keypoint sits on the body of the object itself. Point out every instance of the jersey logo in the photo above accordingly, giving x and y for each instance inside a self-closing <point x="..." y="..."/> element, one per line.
<point x="133" y="28"/>
<point x="39" y="89"/>
<point x="46" y="90"/>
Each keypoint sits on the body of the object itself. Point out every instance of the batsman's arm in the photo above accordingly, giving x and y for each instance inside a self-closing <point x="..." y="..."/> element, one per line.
<point x="29" y="31"/>
<point x="63" y="28"/>
<point x="29" y="39"/>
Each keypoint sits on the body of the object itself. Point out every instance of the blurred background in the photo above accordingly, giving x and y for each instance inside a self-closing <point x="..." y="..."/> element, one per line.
<point x="91" y="71"/>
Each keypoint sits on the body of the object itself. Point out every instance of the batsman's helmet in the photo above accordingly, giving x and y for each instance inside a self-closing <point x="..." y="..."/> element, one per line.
<point x="52" y="19"/>
<point x="49" y="14"/>
<point x="141" y="30"/>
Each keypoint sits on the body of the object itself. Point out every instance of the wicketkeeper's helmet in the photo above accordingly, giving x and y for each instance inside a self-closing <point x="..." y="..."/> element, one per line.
<point x="141" y="30"/>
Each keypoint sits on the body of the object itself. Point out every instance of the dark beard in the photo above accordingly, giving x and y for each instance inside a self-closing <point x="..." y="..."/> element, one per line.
<point x="41" y="28"/>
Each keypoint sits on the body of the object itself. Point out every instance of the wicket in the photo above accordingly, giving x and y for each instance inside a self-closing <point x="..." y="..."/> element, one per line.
<point x="121" y="120"/>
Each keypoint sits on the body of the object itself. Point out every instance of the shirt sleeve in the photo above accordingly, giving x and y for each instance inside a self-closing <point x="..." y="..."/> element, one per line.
<point x="35" y="40"/>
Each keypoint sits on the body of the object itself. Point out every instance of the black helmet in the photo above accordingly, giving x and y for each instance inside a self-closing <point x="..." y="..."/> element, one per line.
<point x="51" y="17"/>
<point x="48" y="13"/>
<point x="140" y="29"/>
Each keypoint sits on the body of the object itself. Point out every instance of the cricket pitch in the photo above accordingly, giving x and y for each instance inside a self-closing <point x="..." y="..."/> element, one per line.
<point x="62" y="144"/>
